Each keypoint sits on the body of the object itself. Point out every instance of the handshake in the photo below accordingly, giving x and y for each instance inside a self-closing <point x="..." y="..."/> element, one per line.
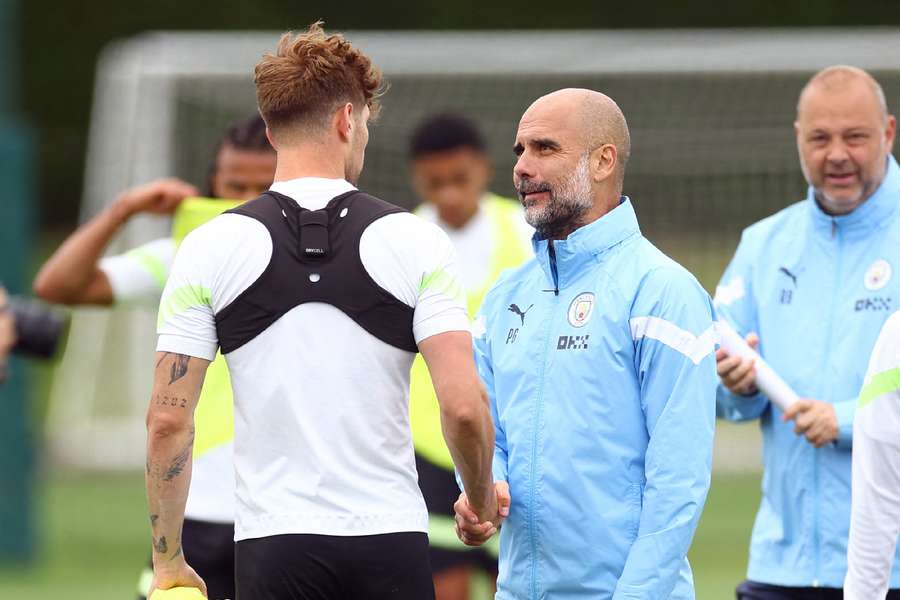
<point x="470" y="528"/>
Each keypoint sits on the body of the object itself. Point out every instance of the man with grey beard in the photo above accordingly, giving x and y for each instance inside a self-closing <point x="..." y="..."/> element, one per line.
<point x="598" y="359"/>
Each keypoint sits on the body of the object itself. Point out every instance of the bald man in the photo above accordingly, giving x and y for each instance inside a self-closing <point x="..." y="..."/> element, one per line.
<point x="598" y="358"/>
<point x="812" y="285"/>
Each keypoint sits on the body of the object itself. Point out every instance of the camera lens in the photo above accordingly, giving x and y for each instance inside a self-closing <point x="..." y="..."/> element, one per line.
<point x="39" y="330"/>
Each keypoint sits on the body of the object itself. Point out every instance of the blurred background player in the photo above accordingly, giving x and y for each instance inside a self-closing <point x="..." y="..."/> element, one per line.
<point x="451" y="172"/>
<point x="812" y="285"/>
<point x="875" y="510"/>
<point x="242" y="168"/>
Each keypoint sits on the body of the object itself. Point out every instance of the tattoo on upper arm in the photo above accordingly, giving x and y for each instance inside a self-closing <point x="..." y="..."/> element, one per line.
<point x="173" y="401"/>
<point x="179" y="368"/>
<point x="162" y="358"/>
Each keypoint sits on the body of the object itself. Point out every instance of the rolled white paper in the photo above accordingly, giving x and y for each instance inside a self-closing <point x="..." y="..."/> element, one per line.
<point x="768" y="381"/>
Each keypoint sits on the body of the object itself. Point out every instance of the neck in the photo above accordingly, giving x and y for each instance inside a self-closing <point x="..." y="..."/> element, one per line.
<point x="561" y="231"/>
<point x="834" y="211"/>
<point x="458" y="219"/>
<point x="308" y="161"/>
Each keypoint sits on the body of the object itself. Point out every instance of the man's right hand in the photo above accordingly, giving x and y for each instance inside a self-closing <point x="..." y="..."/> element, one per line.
<point x="738" y="374"/>
<point x="160" y="197"/>
<point x="179" y="575"/>
<point x="471" y="530"/>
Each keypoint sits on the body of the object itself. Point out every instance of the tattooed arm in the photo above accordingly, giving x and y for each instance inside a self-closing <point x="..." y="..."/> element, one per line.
<point x="170" y="442"/>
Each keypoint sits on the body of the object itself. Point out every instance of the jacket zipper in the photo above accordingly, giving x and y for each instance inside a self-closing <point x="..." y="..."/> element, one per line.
<point x="835" y="235"/>
<point x="537" y="422"/>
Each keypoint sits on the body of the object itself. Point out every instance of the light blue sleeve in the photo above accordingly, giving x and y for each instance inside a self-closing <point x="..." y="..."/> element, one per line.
<point x="482" y="346"/>
<point x="671" y="323"/>
<point x="845" y="411"/>
<point x="734" y="304"/>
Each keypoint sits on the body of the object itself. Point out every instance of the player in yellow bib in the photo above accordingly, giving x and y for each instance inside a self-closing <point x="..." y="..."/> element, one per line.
<point x="242" y="168"/>
<point x="451" y="172"/>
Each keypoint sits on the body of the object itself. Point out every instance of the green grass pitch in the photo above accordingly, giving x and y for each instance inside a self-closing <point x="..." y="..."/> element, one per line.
<point x="94" y="539"/>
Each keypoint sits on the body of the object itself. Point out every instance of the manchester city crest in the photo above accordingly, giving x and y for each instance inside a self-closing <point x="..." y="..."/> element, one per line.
<point x="878" y="275"/>
<point x="580" y="310"/>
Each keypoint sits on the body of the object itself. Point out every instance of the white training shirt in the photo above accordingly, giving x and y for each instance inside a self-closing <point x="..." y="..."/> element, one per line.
<point x="475" y="243"/>
<point x="138" y="277"/>
<point x="875" y="508"/>
<point x="322" y="438"/>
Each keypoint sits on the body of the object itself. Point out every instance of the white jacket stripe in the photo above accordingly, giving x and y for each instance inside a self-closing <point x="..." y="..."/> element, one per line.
<point x="696" y="348"/>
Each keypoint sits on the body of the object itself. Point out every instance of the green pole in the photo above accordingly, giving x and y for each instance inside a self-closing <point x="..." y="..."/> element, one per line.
<point x="17" y="539"/>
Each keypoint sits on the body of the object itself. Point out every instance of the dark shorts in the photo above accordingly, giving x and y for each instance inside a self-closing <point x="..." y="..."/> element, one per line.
<point x="439" y="488"/>
<point x="750" y="590"/>
<point x="392" y="566"/>
<point x="209" y="549"/>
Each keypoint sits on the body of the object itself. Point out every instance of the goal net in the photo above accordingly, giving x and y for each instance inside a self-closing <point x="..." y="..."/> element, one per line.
<point x="710" y="114"/>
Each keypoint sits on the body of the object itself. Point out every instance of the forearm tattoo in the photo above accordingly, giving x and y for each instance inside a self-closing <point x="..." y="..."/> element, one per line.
<point x="178" y="464"/>
<point x="156" y="468"/>
<point x="161" y="544"/>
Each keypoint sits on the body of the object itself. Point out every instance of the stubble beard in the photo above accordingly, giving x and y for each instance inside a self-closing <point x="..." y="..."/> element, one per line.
<point x="842" y="206"/>
<point x="569" y="202"/>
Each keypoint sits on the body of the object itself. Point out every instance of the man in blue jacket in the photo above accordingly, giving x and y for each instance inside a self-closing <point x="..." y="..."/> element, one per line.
<point x="598" y="358"/>
<point x="812" y="285"/>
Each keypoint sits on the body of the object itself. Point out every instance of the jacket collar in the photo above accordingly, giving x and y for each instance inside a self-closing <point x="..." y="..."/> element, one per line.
<point x="865" y="218"/>
<point x="582" y="245"/>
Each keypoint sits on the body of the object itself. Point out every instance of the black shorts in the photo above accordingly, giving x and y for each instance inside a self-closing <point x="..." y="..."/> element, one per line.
<point x="751" y="590"/>
<point x="439" y="488"/>
<point x="209" y="549"/>
<point x="392" y="566"/>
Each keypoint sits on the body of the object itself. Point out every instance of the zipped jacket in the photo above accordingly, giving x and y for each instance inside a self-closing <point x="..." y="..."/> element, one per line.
<point x="816" y="289"/>
<point x="598" y="359"/>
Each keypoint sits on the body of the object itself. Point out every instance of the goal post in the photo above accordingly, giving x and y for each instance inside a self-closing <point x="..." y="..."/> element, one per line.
<point x="710" y="114"/>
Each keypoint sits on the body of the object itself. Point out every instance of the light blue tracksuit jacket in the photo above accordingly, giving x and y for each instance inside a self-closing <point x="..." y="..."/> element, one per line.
<point x="817" y="290"/>
<point x="598" y="357"/>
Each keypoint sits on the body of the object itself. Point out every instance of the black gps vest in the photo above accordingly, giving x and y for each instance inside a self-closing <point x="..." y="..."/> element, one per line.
<point x="315" y="258"/>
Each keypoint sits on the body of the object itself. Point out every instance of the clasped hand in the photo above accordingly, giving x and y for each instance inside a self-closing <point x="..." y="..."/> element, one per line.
<point x="472" y="530"/>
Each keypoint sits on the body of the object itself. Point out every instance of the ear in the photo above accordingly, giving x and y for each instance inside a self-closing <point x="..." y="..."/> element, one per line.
<point x="270" y="138"/>
<point x="890" y="131"/>
<point x="343" y="122"/>
<point x="484" y="169"/>
<point x="602" y="162"/>
<point x="417" y="179"/>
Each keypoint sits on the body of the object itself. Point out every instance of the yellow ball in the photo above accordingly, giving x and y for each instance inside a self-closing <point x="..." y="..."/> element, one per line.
<point x="179" y="593"/>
